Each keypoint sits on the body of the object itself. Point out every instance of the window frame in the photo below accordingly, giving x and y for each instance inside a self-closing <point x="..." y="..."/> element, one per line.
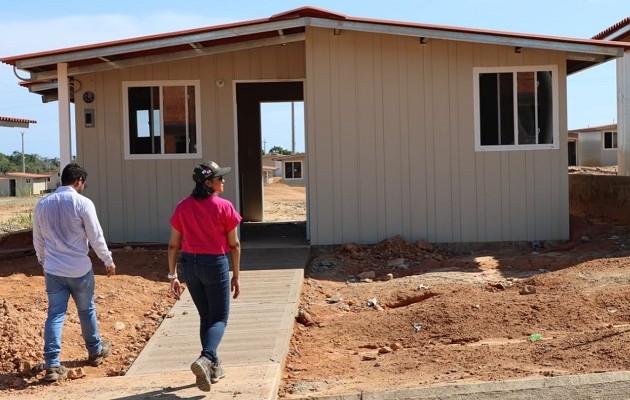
<point x="160" y="84"/>
<point x="555" y="114"/>
<point x="615" y="136"/>
<point x="293" y="177"/>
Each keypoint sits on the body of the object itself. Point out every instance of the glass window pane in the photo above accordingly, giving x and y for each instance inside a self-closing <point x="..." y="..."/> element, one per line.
<point x="496" y="100"/>
<point x="144" y="106"/>
<point x="288" y="170"/>
<point x="545" y="108"/>
<point x="526" y="87"/>
<point x="175" y="116"/>
<point x="192" y="120"/>
<point x="297" y="170"/>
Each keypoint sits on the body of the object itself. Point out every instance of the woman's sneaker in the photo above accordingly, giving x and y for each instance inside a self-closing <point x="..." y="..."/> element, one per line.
<point x="53" y="374"/>
<point x="202" y="368"/>
<point x="216" y="372"/>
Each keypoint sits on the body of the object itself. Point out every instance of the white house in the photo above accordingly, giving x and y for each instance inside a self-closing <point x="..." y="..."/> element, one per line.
<point x="293" y="167"/>
<point x="595" y="146"/>
<point x="23" y="184"/>
<point x="441" y="133"/>
<point x="621" y="32"/>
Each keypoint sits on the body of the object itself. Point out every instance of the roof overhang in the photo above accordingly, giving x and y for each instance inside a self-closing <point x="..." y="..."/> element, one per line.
<point x="279" y="29"/>
<point x="10" y="122"/>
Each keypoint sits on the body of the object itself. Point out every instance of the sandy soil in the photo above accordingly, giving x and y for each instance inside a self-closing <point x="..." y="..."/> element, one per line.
<point x="392" y="315"/>
<point x="130" y="305"/>
<point x="423" y="316"/>
<point x="15" y="212"/>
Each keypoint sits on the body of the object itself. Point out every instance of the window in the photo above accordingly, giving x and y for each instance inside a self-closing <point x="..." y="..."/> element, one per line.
<point x="293" y="170"/>
<point x="162" y="119"/>
<point x="28" y="180"/>
<point x="610" y="140"/>
<point x="516" y="108"/>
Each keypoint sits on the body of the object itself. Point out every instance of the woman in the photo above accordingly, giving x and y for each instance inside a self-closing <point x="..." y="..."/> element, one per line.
<point x="205" y="227"/>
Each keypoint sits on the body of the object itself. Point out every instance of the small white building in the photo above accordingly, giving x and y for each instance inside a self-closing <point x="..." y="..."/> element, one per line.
<point x="293" y="168"/>
<point x="24" y="184"/>
<point x="595" y="146"/>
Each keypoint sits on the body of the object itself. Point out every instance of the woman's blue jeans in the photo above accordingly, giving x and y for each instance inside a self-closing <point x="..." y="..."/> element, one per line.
<point x="59" y="289"/>
<point x="208" y="280"/>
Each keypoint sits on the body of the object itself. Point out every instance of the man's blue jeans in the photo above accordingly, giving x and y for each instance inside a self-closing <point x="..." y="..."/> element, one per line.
<point x="208" y="280"/>
<point x="59" y="289"/>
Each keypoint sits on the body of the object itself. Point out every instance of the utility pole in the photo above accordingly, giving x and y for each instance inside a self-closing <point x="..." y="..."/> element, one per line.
<point x="23" y="159"/>
<point x="292" y="128"/>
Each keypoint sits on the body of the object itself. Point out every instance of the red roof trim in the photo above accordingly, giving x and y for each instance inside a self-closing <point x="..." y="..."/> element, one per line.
<point x="300" y="13"/>
<point x="609" y="31"/>
<point x="24" y="175"/>
<point x="18" y="120"/>
<point x="599" y="128"/>
<point x="307" y="12"/>
<point x="148" y="38"/>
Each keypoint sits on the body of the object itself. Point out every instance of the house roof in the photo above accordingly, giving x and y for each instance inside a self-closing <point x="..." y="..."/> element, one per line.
<point x="289" y="157"/>
<point x="282" y="28"/>
<point x="23" y="175"/>
<point x="620" y="31"/>
<point x="11" y="122"/>
<point x="600" y="128"/>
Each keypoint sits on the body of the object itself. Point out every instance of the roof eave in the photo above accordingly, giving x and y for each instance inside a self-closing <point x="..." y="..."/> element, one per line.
<point x="105" y="52"/>
<point x="604" y="48"/>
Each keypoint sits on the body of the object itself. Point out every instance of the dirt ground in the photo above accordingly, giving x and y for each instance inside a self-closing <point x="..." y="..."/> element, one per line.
<point x="392" y="315"/>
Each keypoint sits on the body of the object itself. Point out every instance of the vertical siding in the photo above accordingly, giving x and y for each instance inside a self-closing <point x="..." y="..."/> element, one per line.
<point x="347" y="153"/>
<point x="135" y="198"/>
<point x="401" y="114"/>
<point x="366" y="141"/>
<point x="417" y="151"/>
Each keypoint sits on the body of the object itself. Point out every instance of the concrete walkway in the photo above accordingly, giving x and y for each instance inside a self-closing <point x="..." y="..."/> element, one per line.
<point x="252" y="351"/>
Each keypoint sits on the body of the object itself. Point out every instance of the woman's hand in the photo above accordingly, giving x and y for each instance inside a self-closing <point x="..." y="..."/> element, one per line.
<point x="176" y="288"/>
<point x="235" y="286"/>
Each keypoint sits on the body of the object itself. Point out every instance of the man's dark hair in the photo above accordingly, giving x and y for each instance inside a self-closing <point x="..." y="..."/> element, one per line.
<point x="71" y="173"/>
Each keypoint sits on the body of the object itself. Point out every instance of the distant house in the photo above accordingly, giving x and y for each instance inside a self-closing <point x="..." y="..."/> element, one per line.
<point x="293" y="167"/>
<point x="620" y="32"/>
<point x="594" y="147"/>
<point x="24" y="184"/>
<point x="447" y="134"/>
<point x="272" y="170"/>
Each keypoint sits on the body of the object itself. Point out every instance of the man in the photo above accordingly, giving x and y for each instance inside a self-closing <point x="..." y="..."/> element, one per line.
<point x="64" y="223"/>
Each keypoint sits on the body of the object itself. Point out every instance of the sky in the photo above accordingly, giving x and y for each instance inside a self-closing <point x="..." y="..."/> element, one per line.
<point x="50" y="25"/>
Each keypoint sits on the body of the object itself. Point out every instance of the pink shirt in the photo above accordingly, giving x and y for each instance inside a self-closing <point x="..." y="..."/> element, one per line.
<point x="205" y="224"/>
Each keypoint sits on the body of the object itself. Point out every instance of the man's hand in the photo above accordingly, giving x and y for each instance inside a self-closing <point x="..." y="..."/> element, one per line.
<point x="110" y="269"/>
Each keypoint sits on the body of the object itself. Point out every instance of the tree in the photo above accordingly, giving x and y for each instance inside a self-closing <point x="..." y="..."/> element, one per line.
<point x="279" y="150"/>
<point x="35" y="163"/>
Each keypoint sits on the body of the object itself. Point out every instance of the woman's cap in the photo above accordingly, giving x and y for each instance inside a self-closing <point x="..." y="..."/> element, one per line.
<point x="209" y="170"/>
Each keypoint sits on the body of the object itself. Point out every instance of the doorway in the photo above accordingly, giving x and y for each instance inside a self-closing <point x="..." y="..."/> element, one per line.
<point x="572" y="153"/>
<point x="249" y="97"/>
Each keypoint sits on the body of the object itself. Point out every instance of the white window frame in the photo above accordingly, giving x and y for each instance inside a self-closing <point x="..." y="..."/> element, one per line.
<point x="616" y="138"/>
<point x="555" y="108"/>
<point x="161" y="83"/>
<point x="301" y="170"/>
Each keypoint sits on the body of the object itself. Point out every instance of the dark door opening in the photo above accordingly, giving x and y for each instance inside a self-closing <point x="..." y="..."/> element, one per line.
<point x="249" y="97"/>
<point x="572" y="153"/>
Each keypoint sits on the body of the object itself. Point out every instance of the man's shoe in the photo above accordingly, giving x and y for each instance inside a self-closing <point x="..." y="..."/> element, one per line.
<point x="202" y="368"/>
<point x="216" y="372"/>
<point x="53" y="374"/>
<point x="106" y="349"/>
